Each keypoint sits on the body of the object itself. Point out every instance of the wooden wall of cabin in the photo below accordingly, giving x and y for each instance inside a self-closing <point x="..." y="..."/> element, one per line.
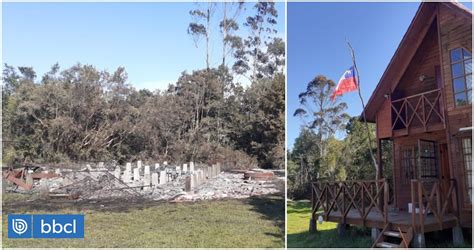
<point x="401" y="183"/>
<point x="455" y="31"/>
<point x="384" y="120"/>
<point x="423" y="63"/>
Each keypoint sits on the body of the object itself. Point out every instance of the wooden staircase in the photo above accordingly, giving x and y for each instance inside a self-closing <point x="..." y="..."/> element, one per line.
<point x="397" y="238"/>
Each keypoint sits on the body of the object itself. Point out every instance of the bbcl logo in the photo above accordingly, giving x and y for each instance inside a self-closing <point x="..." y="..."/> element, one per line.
<point x="19" y="226"/>
<point x="57" y="228"/>
<point x="45" y="226"/>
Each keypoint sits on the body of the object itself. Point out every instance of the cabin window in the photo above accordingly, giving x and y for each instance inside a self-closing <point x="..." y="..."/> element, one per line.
<point x="467" y="158"/>
<point x="407" y="165"/>
<point x="427" y="160"/>
<point x="461" y="70"/>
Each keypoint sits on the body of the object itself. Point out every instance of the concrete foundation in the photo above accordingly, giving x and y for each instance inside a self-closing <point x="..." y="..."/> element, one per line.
<point x="419" y="241"/>
<point x="341" y="229"/>
<point x="374" y="233"/>
<point x="191" y="167"/>
<point x="127" y="174"/>
<point x="178" y="170"/>
<point x="146" y="181"/>
<point x="163" y="177"/>
<point x="155" y="179"/>
<point x="188" y="184"/>
<point x="44" y="188"/>
<point x="147" y="170"/>
<point x="458" y="238"/>
<point x="195" y="179"/>
<point x="136" y="174"/>
<point x="185" y="168"/>
<point x="313" y="228"/>
<point x="117" y="172"/>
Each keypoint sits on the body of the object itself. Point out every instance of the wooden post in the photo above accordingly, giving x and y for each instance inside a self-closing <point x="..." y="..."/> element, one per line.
<point x="421" y="207"/>
<point x="379" y="169"/>
<point x="385" y="198"/>
<point x="413" y="217"/>
<point x="369" y="138"/>
<point x="379" y="159"/>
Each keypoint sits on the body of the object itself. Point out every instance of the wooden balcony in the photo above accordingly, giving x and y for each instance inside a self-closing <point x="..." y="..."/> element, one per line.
<point x="367" y="203"/>
<point x="418" y="113"/>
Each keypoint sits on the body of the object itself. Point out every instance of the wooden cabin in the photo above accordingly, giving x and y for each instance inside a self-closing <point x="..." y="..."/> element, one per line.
<point x="422" y="105"/>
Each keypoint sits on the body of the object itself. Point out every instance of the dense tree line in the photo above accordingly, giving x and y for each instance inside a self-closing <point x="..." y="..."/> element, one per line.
<point x="85" y="114"/>
<point x="331" y="145"/>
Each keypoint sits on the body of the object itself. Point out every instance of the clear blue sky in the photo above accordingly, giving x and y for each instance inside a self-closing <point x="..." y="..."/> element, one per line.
<point x="148" y="39"/>
<point x="316" y="45"/>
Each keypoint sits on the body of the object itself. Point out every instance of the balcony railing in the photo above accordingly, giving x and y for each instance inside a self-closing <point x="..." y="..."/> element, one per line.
<point x="422" y="111"/>
<point x="341" y="196"/>
<point x="433" y="196"/>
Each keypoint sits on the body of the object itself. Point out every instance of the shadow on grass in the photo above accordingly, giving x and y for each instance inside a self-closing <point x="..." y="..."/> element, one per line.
<point x="354" y="238"/>
<point x="271" y="208"/>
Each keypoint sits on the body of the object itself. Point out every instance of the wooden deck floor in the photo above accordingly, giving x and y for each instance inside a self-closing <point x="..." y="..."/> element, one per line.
<point x="400" y="219"/>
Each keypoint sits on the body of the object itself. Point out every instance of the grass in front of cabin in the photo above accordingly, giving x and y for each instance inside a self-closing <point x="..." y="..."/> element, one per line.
<point x="253" y="222"/>
<point x="299" y="213"/>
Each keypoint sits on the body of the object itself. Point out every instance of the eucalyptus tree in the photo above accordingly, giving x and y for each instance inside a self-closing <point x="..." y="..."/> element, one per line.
<point x="321" y="114"/>
<point x="252" y="54"/>
<point x="201" y="26"/>
<point x="228" y="26"/>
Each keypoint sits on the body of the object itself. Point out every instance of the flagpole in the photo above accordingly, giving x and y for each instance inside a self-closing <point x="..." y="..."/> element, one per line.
<point x="369" y="138"/>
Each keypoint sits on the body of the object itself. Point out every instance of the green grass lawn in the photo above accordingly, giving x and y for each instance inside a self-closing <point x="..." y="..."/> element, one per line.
<point x="254" y="222"/>
<point x="299" y="213"/>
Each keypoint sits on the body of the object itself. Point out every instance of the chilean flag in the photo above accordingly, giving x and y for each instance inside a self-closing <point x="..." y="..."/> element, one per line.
<point x="347" y="83"/>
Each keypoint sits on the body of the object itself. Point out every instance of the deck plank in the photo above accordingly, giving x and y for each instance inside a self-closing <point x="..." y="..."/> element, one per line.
<point x="400" y="219"/>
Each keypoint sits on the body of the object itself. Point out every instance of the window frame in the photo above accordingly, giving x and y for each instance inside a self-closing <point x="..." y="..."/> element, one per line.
<point x="408" y="164"/>
<point x="464" y="76"/>
<point x="468" y="200"/>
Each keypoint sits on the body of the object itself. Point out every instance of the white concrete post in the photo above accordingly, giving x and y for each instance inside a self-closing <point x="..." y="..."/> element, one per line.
<point x="201" y="176"/>
<point x="44" y="188"/>
<point x="193" y="181"/>
<point x="127" y="174"/>
<point x="218" y="165"/>
<point x="178" y="169"/>
<point x="195" y="178"/>
<point x="136" y="175"/>
<point x="191" y="167"/>
<point x="117" y="172"/>
<point x="147" y="170"/>
<point x="146" y="180"/>
<point x="154" y="179"/>
<point x="185" y="168"/>
<point x="163" y="177"/>
<point x="214" y="170"/>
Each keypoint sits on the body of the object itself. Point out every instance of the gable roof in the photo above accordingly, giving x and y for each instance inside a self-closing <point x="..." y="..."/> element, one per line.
<point x="407" y="48"/>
